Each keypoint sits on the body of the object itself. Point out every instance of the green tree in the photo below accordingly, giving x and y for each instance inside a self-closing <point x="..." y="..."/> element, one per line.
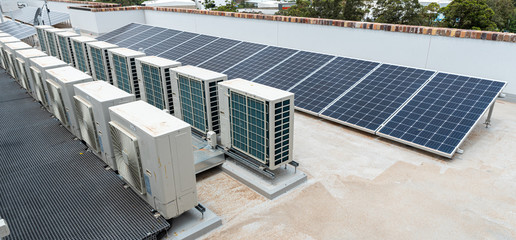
<point x="230" y="6"/>
<point x="502" y="12"/>
<point x="430" y="13"/>
<point x="331" y="9"/>
<point x="511" y="27"/>
<point x="208" y="4"/>
<point x="300" y="9"/>
<point x="355" y="10"/>
<point x="468" y="14"/>
<point x="398" y="12"/>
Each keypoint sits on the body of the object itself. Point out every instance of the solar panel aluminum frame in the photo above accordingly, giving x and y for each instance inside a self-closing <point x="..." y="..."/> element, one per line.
<point x="79" y="49"/>
<point x="65" y="46"/>
<point x="163" y="67"/>
<point x="209" y="80"/>
<point x="42" y="38"/>
<point x="358" y="82"/>
<point x="129" y="57"/>
<point x="491" y="104"/>
<point x="105" y="68"/>
<point x="23" y="60"/>
<point x="10" y="51"/>
<point x="53" y="47"/>
<point x="270" y="97"/>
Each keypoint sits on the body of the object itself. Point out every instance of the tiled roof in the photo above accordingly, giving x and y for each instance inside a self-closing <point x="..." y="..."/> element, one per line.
<point x="448" y="32"/>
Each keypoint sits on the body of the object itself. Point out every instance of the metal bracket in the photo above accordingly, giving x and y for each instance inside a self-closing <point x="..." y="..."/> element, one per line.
<point x="251" y="164"/>
<point x="295" y="164"/>
<point x="489" y="114"/>
<point x="201" y="209"/>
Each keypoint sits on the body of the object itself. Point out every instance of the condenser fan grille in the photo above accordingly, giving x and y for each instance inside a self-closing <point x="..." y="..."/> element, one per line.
<point x="84" y="114"/>
<point x="127" y="156"/>
<point x="57" y="102"/>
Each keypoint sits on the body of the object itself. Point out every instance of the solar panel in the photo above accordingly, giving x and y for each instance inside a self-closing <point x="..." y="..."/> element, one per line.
<point x="376" y="97"/>
<point x="187" y="47"/>
<point x="128" y="34"/>
<point x="139" y="37"/>
<point x="169" y="43"/>
<point x="118" y="31"/>
<point x="442" y="114"/>
<point x="232" y="56"/>
<point x="293" y="70"/>
<point x="17" y="30"/>
<point x="327" y="84"/>
<point x="259" y="63"/>
<point x="26" y="15"/>
<point x="155" y="39"/>
<point x="210" y="50"/>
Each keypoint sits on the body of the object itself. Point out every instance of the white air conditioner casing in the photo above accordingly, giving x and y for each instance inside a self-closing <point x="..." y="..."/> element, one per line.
<point x="154" y="156"/>
<point x="53" y="46"/>
<point x="99" y="60"/>
<point x="23" y="61"/>
<point x="123" y="69"/>
<point x="10" y="51"/>
<point x="195" y="97"/>
<point x="65" y="46"/>
<point x="2" y="34"/>
<point x="80" y="53"/>
<point x="60" y="83"/>
<point x="92" y="102"/>
<point x="257" y="121"/>
<point x="154" y="78"/>
<point x="4" y="40"/>
<point x="42" y="37"/>
<point x="38" y="67"/>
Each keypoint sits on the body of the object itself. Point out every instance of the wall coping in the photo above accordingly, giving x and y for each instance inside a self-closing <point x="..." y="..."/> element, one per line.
<point x="423" y="30"/>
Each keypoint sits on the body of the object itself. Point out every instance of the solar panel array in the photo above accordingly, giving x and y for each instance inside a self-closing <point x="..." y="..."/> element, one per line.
<point x="17" y="30"/>
<point x="27" y="14"/>
<point x="422" y="108"/>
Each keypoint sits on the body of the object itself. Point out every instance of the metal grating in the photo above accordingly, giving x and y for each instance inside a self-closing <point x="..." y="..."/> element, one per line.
<point x="191" y="96"/>
<point x="153" y="86"/>
<point x="55" y="192"/>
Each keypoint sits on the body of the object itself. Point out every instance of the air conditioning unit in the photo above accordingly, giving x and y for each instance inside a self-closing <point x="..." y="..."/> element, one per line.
<point x="23" y="61"/>
<point x="196" y="97"/>
<point x="123" y="69"/>
<point x="10" y="54"/>
<point x="153" y="152"/>
<point x="2" y="34"/>
<point x="257" y="122"/>
<point x="60" y="83"/>
<point x="53" y="47"/>
<point x="99" y="60"/>
<point x="38" y="67"/>
<point x="154" y="78"/>
<point x="65" y="46"/>
<point x="80" y="52"/>
<point x="3" y="41"/>
<point x="92" y="100"/>
<point x="42" y="38"/>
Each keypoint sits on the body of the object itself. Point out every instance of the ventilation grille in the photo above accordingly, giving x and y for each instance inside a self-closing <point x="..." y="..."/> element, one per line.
<point x="107" y="68"/>
<point x="54" y="92"/>
<point x="192" y="100"/>
<point x="84" y="115"/>
<point x="127" y="156"/>
<point x="214" y="106"/>
<point x="168" y="94"/>
<point x="134" y="77"/>
<point x="281" y="131"/>
<point x="80" y="57"/>
<point x="65" y="54"/>
<point x="40" y="92"/>
<point x="41" y="40"/>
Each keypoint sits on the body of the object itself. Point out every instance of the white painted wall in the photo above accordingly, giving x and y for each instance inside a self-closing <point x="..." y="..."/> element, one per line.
<point x="99" y="23"/>
<point x="480" y="58"/>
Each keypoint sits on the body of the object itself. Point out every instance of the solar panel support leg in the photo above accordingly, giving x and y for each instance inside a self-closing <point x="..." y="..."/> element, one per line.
<point x="489" y="114"/>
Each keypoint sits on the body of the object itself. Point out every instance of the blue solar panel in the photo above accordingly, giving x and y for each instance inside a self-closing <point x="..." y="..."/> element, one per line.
<point x="259" y="63"/>
<point x="232" y="56"/>
<point x="441" y="115"/>
<point x="293" y="70"/>
<point x="128" y="34"/>
<point x="208" y="51"/>
<point x="139" y="37"/>
<point x="187" y="47"/>
<point x="378" y="96"/>
<point x="118" y="31"/>
<point x="154" y="39"/>
<point x="327" y="84"/>
<point x="169" y="43"/>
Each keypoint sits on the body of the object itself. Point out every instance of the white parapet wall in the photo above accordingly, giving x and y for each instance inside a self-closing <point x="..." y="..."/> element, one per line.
<point x="472" y="57"/>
